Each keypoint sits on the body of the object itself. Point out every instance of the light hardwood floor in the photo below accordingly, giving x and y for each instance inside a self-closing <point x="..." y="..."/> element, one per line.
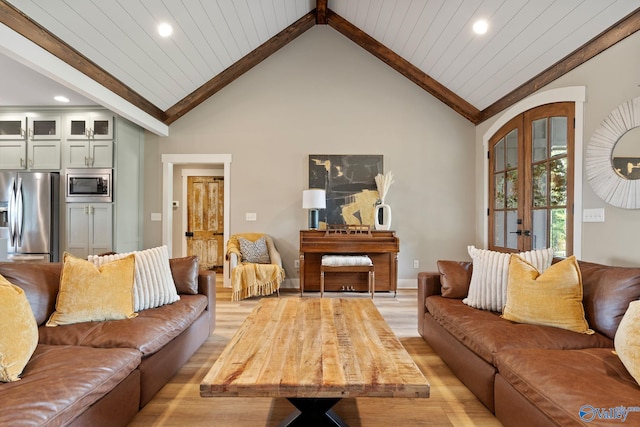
<point x="450" y="404"/>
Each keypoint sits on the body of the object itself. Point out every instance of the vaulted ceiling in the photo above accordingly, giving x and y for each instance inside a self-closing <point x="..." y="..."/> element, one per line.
<point x="528" y="44"/>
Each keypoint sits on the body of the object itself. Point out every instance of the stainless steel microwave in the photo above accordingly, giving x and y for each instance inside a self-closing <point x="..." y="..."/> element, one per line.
<point x="89" y="185"/>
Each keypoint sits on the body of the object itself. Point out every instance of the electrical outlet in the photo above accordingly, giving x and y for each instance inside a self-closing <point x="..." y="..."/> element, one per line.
<point x="296" y="263"/>
<point x="416" y="263"/>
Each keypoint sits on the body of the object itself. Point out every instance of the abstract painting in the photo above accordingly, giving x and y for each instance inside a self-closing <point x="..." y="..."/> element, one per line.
<point x="349" y="182"/>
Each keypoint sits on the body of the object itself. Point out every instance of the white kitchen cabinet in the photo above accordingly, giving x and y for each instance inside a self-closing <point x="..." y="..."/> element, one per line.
<point x="29" y="142"/>
<point x="13" y="126"/>
<point x="89" y="228"/>
<point x="43" y="128"/>
<point x="92" y="126"/>
<point x="13" y="154"/>
<point x="88" y="154"/>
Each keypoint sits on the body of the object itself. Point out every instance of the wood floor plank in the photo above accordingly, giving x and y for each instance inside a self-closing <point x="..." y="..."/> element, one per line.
<point x="450" y="402"/>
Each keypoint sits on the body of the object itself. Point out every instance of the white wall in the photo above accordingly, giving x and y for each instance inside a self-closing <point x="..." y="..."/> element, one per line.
<point x="611" y="78"/>
<point x="322" y="94"/>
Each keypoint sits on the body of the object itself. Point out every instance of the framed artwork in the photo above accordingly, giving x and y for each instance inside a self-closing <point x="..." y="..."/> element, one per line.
<point x="349" y="182"/>
<point x="627" y="167"/>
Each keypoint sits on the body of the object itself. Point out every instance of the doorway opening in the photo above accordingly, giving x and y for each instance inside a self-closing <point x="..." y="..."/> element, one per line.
<point x="201" y="161"/>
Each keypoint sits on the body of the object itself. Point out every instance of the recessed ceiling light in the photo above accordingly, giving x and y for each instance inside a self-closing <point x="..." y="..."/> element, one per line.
<point x="165" y="29"/>
<point x="61" y="98"/>
<point x="480" y="27"/>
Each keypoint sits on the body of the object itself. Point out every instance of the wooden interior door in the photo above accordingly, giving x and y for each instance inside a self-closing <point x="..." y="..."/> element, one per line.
<point x="205" y="207"/>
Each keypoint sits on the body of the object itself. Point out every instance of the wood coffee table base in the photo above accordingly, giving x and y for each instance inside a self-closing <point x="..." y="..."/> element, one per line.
<point x="313" y="412"/>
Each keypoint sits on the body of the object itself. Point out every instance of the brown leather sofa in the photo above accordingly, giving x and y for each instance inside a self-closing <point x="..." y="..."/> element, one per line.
<point x="102" y="373"/>
<point x="530" y="375"/>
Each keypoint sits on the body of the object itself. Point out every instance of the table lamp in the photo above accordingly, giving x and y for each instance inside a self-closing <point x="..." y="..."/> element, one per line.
<point x="314" y="199"/>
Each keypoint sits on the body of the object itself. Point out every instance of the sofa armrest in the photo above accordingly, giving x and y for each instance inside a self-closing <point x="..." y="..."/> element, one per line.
<point x="428" y="284"/>
<point x="207" y="287"/>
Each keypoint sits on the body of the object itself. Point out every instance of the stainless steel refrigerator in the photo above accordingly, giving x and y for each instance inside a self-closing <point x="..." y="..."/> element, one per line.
<point x="30" y="215"/>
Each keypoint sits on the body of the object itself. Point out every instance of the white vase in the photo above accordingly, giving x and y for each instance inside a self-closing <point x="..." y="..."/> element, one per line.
<point x="386" y="217"/>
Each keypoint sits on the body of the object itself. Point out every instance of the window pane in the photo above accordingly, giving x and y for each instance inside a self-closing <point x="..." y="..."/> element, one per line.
<point x="559" y="232"/>
<point x="498" y="156"/>
<point x="558" y="136"/>
<point x="512" y="227"/>
<point x="498" y="233"/>
<point x="512" y="189"/>
<point x="539" y="185"/>
<point x="558" y="188"/>
<point x="539" y="232"/>
<point x="539" y="135"/>
<point x="512" y="149"/>
<point x="499" y="191"/>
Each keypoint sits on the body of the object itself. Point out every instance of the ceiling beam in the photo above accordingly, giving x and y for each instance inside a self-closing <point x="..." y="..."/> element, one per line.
<point x="23" y="25"/>
<point x="619" y="31"/>
<point x="403" y="66"/>
<point x="321" y="12"/>
<point x="240" y="67"/>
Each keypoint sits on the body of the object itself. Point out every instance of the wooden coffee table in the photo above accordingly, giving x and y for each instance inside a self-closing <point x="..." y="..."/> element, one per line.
<point x="314" y="351"/>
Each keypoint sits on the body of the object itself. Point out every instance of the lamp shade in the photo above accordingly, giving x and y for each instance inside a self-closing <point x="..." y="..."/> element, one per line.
<point x="314" y="199"/>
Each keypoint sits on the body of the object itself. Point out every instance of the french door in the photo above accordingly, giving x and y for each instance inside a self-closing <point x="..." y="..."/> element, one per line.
<point x="531" y="169"/>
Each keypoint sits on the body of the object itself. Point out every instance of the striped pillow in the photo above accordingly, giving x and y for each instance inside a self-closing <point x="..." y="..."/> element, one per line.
<point x="153" y="284"/>
<point x="488" y="288"/>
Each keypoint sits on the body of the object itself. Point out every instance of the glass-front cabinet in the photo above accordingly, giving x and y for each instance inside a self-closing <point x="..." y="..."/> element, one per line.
<point x="13" y="127"/>
<point x="30" y="141"/>
<point x="90" y="126"/>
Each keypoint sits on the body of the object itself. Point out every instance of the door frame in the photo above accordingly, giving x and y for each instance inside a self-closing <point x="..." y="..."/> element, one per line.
<point x="168" y="160"/>
<point x="575" y="94"/>
<point x="186" y="173"/>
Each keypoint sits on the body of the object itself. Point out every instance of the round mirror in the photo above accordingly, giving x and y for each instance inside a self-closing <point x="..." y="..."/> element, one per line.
<point x="626" y="155"/>
<point x="610" y="178"/>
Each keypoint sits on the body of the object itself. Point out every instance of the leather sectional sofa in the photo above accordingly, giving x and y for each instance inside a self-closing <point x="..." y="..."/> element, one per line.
<point x="102" y="373"/>
<point x="531" y="375"/>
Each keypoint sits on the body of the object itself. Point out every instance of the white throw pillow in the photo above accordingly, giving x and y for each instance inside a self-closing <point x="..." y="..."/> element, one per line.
<point x="153" y="283"/>
<point x="488" y="288"/>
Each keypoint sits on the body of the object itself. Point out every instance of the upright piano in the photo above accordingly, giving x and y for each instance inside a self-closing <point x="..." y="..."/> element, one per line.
<point x="381" y="246"/>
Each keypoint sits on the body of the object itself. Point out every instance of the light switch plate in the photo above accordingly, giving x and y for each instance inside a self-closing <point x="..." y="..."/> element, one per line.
<point x="593" y="215"/>
<point x="251" y="216"/>
<point x="156" y="217"/>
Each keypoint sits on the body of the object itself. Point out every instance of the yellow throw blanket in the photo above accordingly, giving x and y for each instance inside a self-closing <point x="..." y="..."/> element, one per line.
<point x="248" y="279"/>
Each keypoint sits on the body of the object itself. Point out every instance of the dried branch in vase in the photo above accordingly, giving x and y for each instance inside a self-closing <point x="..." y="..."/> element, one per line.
<point x="383" y="182"/>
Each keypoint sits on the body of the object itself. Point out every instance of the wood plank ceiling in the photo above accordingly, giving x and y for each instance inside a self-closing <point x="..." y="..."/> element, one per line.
<point x="529" y="43"/>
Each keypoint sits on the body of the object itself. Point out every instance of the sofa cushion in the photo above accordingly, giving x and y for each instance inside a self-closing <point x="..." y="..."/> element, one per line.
<point x="61" y="382"/>
<point x="455" y="277"/>
<point x="571" y="386"/>
<point x="148" y="332"/>
<point x="607" y="294"/>
<point x="19" y="336"/>
<point x="88" y="293"/>
<point x="627" y="340"/>
<point x="40" y="283"/>
<point x="486" y="333"/>
<point x="552" y="298"/>
<point x="488" y="288"/>
<point x="153" y="285"/>
<point x="185" y="274"/>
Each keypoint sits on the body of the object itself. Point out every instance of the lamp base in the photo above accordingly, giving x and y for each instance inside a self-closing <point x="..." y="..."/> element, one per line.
<point x="314" y="217"/>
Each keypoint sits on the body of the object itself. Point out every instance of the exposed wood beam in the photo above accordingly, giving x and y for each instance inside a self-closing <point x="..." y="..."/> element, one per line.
<point x="23" y="25"/>
<point x="619" y="31"/>
<point x="246" y="63"/>
<point x="321" y="12"/>
<point x="403" y="66"/>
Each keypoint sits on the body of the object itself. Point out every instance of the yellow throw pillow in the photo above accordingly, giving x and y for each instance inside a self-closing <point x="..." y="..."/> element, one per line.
<point x="88" y="293"/>
<point x="19" y="331"/>
<point x="627" y="340"/>
<point x="553" y="298"/>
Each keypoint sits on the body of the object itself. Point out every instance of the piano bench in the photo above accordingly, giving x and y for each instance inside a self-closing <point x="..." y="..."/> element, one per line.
<point x="348" y="264"/>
